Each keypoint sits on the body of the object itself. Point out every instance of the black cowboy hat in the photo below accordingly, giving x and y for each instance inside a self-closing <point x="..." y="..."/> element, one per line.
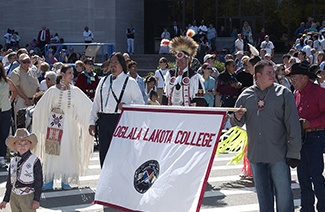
<point x="299" y="68"/>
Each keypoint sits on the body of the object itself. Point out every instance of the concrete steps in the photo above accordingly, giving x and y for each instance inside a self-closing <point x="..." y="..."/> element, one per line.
<point x="149" y="62"/>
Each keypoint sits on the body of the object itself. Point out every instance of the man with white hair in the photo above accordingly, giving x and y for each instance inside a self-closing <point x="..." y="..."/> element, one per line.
<point x="48" y="81"/>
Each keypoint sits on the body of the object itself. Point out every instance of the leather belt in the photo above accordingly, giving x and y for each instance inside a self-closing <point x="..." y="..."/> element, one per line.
<point x="23" y="191"/>
<point x="314" y="129"/>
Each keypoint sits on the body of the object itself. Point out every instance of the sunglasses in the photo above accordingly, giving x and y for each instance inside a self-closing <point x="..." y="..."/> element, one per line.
<point x="26" y="62"/>
<point x="208" y="68"/>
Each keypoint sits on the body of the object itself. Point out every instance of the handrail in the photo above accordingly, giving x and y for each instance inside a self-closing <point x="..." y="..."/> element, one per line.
<point x="110" y="48"/>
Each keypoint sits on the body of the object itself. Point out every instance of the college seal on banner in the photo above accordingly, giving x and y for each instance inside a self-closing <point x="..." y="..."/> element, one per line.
<point x="146" y="175"/>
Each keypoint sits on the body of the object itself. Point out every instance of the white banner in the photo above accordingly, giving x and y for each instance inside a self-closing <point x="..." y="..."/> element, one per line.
<point x="160" y="158"/>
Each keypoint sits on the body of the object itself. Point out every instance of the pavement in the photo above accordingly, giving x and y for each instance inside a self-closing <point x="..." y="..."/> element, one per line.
<point x="224" y="191"/>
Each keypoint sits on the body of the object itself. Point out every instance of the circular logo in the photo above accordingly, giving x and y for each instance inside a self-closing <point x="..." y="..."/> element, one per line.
<point x="180" y="55"/>
<point x="146" y="175"/>
<point x="186" y="80"/>
<point x="172" y="80"/>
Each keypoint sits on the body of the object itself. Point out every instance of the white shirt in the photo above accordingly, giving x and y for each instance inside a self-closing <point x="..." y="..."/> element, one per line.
<point x="307" y="49"/>
<point x="268" y="46"/>
<point x="132" y="95"/>
<point x="195" y="29"/>
<point x="239" y="45"/>
<point x="317" y="45"/>
<point x="161" y="80"/>
<point x="322" y="66"/>
<point x="323" y="44"/>
<point x="88" y="35"/>
<point x="313" y="59"/>
<point x="203" y="29"/>
<point x="42" y="38"/>
<point x="43" y="85"/>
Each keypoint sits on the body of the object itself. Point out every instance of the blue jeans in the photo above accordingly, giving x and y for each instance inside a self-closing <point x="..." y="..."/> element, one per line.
<point x="273" y="179"/>
<point x="310" y="172"/>
<point x="130" y="42"/>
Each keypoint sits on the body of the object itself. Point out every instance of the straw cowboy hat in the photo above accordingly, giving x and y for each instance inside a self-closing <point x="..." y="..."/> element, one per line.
<point x="21" y="134"/>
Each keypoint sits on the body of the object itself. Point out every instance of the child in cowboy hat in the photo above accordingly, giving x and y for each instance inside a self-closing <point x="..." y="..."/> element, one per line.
<point x="25" y="180"/>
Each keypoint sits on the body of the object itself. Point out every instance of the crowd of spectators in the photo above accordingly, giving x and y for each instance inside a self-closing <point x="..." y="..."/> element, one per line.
<point x="221" y="87"/>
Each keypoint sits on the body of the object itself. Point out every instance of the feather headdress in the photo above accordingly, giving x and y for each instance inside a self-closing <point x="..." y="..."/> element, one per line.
<point x="164" y="42"/>
<point x="183" y="45"/>
<point x="253" y="50"/>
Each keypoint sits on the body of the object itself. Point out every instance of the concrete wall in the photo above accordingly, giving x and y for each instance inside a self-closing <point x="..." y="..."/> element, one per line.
<point x="107" y="19"/>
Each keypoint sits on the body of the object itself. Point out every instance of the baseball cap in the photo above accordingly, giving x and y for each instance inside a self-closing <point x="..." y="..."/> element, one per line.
<point x="239" y="52"/>
<point x="208" y="56"/>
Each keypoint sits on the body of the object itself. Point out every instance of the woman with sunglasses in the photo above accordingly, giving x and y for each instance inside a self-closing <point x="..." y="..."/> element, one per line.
<point x="160" y="76"/>
<point x="280" y="76"/>
<point x="209" y="84"/>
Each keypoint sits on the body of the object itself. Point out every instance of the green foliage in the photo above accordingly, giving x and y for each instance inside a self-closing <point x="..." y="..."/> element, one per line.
<point x="220" y="66"/>
<point x="171" y="64"/>
<point x="98" y="70"/>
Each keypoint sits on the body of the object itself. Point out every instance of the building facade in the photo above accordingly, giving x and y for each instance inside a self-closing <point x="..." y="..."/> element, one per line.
<point x="107" y="19"/>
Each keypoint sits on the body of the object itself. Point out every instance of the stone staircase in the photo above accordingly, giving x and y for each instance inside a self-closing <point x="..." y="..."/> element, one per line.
<point x="149" y="62"/>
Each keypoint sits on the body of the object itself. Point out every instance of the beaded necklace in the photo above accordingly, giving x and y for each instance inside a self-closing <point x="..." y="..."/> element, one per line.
<point x="63" y="87"/>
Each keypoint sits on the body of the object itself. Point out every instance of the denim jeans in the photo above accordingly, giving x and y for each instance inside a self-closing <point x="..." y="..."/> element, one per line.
<point x="273" y="179"/>
<point x="130" y="42"/>
<point x="310" y="169"/>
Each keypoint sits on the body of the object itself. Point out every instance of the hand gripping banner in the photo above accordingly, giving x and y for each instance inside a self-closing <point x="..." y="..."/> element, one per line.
<point x="160" y="158"/>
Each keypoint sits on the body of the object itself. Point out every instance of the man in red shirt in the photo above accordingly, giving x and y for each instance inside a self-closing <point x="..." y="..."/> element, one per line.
<point x="310" y="102"/>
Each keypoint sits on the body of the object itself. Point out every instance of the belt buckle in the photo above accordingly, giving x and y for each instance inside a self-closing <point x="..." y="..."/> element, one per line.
<point x="314" y="129"/>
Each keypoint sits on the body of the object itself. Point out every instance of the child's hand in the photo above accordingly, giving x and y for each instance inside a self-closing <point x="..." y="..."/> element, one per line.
<point x="3" y="205"/>
<point x="35" y="205"/>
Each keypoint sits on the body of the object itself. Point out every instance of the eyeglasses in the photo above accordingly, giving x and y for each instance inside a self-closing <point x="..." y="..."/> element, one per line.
<point x="294" y="79"/>
<point x="26" y="62"/>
